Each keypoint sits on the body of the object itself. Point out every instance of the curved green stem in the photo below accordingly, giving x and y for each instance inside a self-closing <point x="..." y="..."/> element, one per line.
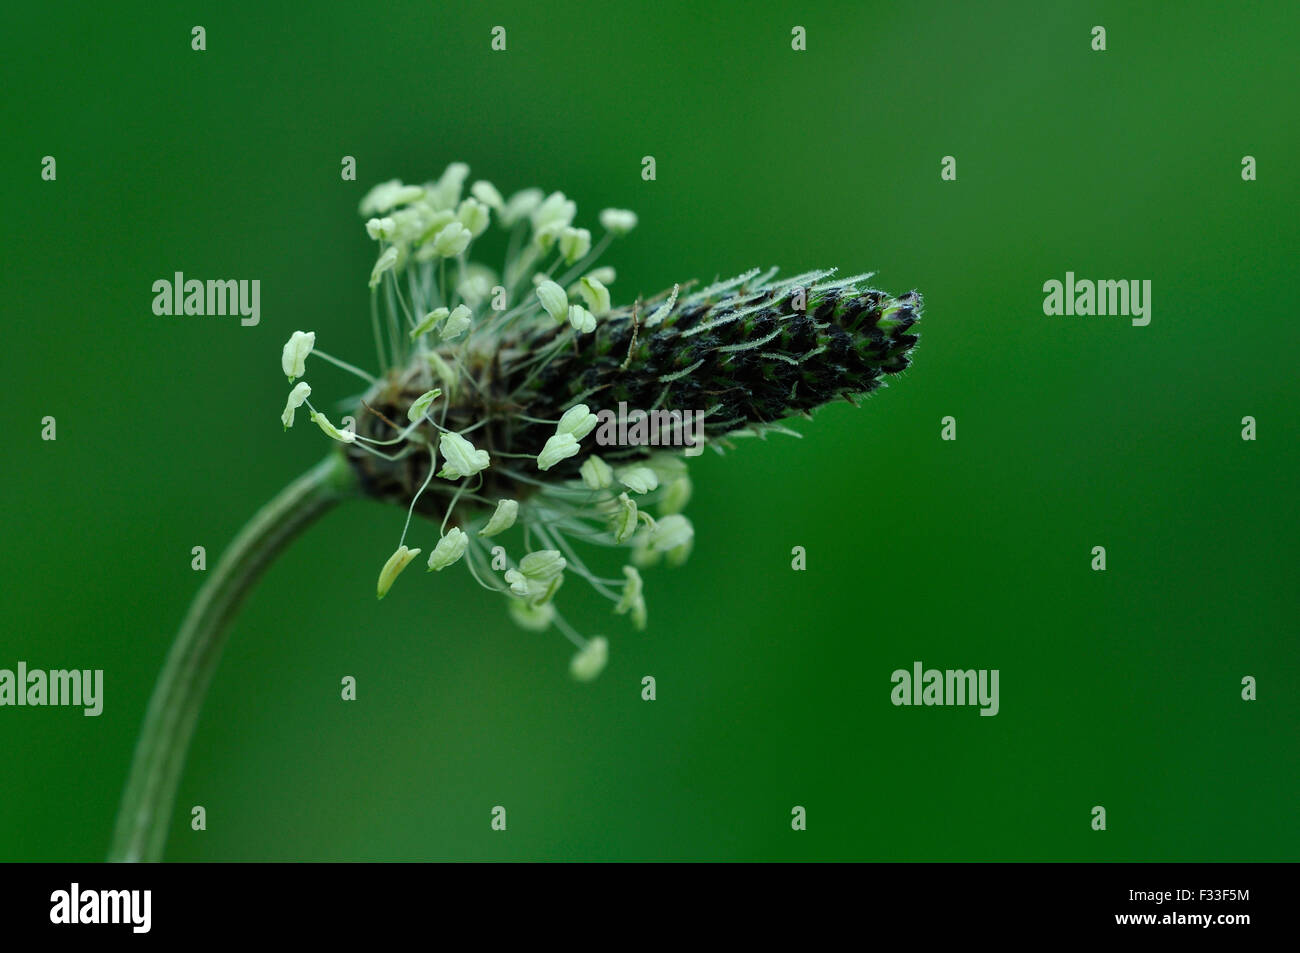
<point x="142" y="820"/>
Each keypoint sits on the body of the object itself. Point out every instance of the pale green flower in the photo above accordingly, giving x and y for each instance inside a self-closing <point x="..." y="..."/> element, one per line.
<point x="420" y="405"/>
<point x="577" y="420"/>
<point x="474" y="215"/>
<point x="671" y="532"/>
<point x="502" y="518"/>
<point x="449" y="549"/>
<point x="559" y="447"/>
<point x="625" y="518"/>
<point x="293" y="357"/>
<point x="583" y="321"/>
<point x="389" y="195"/>
<point x="539" y="585"/>
<point x="619" y="221"/>
<point x="533" y="618"/>
<point x="342" y="436"/>
<point x="452" y="240"/>
<point x="575" y="243"/>
<point x="554" y="210"/>
<point x="596" y="473"/>
<point x="543" y="565"/>
<point x="428" y="322"/>
<point x="596" y="295"/>
<point x="386" y="262"/>
<point x="676" y="495"/>
<point x="460" y="457"/>
<point x="590" y="660"/>
<point x="393" y="568"/>
<point x="445" y="193"/>
<point x="301" y="391"/>
<point x="487" y="193"/>
<point x="632" y="599"/>
<point x="554" y="300"/>
<point x="381" y="228"/>
<point x="638" y="479"/>
<point x="521" y="205"/>
<point x="457" y="323"/>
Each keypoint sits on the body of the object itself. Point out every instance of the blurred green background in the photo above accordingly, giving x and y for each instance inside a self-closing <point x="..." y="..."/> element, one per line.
<point x="1119" y="688"/>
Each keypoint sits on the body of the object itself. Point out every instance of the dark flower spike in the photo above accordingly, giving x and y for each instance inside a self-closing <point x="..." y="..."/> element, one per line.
<point x="494" y="388"/>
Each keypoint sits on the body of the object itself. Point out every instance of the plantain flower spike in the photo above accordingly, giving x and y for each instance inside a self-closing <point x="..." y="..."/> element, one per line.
<point x="493" y="377"/>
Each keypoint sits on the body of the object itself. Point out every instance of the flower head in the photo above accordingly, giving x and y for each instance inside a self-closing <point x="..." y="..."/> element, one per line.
<point x="493" y="379"/>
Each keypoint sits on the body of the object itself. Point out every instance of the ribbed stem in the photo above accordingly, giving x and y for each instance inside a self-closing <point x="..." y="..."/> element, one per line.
<point x="142" y="820"/>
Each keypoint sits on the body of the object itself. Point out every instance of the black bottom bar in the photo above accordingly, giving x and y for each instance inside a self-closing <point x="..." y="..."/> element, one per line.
<point x="924" y="901"/>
